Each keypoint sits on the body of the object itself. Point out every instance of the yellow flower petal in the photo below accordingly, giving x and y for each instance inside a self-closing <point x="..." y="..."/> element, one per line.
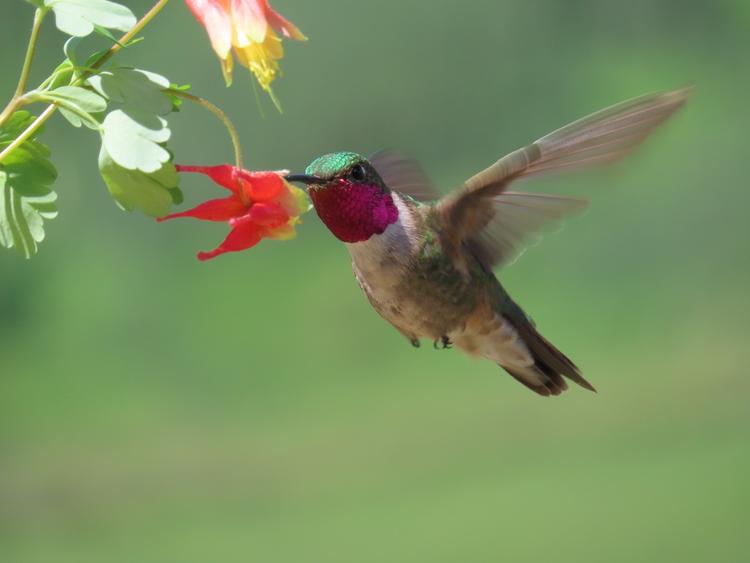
<point x="285" y="232"/>
<point x="251" y="28"/>
<point x="260" y="58"/>
<point x="294" y="201"/>
<point x="226" y="68"/>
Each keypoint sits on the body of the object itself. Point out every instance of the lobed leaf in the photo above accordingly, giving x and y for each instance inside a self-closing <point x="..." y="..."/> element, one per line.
<point x="80" y="18"/>
<point x="134" y="140"/>
<point x="26" y="198"/>
<point x="62" y="75"/>
<point x="29" y="170"/>
<point x="135" y="89"/>
<point x="153" y="193"/>
<point x="134" y="134"/>
<point x="14" y="126"/>
<point x="135" y="165"/>
<point x="76" y="104"/>
<point x="70" y="49"/>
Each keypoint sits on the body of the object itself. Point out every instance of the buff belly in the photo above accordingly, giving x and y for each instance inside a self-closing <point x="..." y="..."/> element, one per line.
<point x="423" y="298"/>
<point x="428" y="298"/>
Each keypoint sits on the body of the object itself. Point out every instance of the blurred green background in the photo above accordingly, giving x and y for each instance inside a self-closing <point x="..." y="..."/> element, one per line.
<point x="153" y="408"/>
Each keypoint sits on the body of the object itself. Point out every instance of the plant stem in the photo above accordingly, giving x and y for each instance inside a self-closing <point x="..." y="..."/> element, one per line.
<point x="231" y="129"/>
<point x="28" y="132"/>
<point x="30" y="50"/>
<point x="38" y="17"/>
<point x="52" y="108"/>
<point x="125" y="39"/>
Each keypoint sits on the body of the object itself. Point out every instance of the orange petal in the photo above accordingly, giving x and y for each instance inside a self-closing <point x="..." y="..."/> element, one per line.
<point x="260" y="186"/>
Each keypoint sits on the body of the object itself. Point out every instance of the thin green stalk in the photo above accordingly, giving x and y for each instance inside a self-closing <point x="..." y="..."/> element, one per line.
<point x="28" y="132"/>
<point x="26" y="68"/>
<point x="231" y="129"/>
<point x="51" y="109"/>
<point x="38" y="17"/>
<point x="125" y="39"/>
<point x="10" y="109"/>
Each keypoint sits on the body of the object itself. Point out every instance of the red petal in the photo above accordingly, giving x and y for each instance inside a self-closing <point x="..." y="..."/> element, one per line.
<point x="281" y="24"/>
<point x="216" y="19"/>
<point x="224" y="175"/>
<point x="249" y="20"/>
<point x="213" y="210"/>
<point x="261" y="186"/>
<point x="241" y="237"/>
<point x="268" y="215"/>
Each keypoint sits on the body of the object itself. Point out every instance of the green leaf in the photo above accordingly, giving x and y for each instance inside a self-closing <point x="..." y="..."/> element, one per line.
<point x="134" y="140"/>
<point x="177" y="100"/>
<point x="22" y="218"/>
<point x="74" y="119"/>
<point x="26" y="198"/>
<point x="177" y="196"/>
<point x="134" y="134"/>
<point x="29" y="170"/>
<point x="70" y="49"/>
<point x="16" y="124"/>
<point x="153" y="193"/>
<point x="104" y="32"/>
<point x="134" y="88"/>
<point x="85" y="100"/>
<point x="81" y="17"/>
<point x="62" y="75"/>
<point x="76" y="104"/>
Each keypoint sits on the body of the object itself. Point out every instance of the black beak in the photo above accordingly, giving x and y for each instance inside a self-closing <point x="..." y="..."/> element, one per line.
<point x="304" y="179"/>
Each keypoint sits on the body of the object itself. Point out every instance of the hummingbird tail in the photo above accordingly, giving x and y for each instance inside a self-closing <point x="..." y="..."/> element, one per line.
<point x="549" y="362"/>
<point x="511" y="340"/>
<point x="544" y="368"/>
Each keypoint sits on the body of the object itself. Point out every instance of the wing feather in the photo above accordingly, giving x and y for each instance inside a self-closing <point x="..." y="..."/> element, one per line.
<point x="518" y="219"/>
<point x="479" y="214"/>
<point x="403" y="174"/>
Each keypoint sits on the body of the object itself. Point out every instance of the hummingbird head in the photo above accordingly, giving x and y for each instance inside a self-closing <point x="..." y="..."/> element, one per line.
<point x="349" y="196"/>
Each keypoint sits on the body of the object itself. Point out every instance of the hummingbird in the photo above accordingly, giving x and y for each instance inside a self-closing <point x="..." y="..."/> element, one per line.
<point x="426" y="264"/>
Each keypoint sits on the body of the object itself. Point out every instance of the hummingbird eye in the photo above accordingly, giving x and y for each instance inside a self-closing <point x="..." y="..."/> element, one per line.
<point x="358" y="173"/>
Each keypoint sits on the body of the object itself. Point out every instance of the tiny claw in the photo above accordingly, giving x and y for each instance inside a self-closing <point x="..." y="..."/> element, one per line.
<point x="415" y="342"/>
<point x="443" y="343"/>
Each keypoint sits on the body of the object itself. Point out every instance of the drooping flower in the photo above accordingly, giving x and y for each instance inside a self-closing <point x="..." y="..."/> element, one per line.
<point x="262" y="205"/>
<point x="251" y="28"/>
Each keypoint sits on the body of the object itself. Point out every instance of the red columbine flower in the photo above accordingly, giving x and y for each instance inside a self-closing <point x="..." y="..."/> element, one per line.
<point x="262" y="205"/>
<point x="250" y="27"/>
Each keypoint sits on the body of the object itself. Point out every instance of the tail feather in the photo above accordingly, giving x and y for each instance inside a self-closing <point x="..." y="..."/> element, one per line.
<point x="503" y="333"/>
<point x="550" y="364"/>
<point x="537" y="380"/>
<point x="551" y="360"/>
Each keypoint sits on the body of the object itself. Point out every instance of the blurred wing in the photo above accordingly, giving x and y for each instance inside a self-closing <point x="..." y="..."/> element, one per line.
<point x="404" y="174"/>
<point x="518" y="219"/>
<point x="601" y="138"/>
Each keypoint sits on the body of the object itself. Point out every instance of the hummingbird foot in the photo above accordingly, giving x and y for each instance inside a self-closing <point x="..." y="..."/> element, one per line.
<point x="415" y="342"/>
<point x="443" y="343"/>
